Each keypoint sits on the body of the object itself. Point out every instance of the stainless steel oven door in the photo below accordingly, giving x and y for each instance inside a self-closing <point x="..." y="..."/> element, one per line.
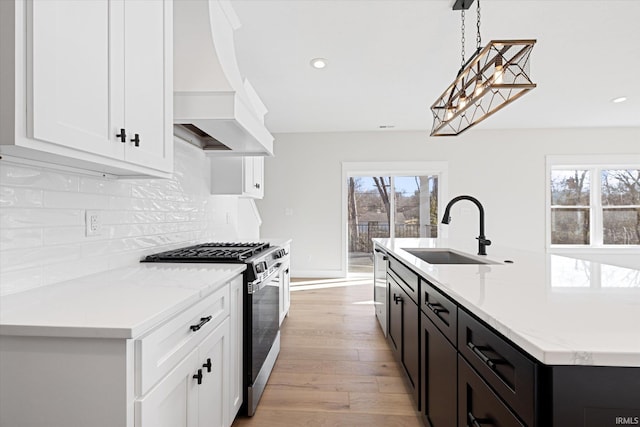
<point x="262" y="316"/>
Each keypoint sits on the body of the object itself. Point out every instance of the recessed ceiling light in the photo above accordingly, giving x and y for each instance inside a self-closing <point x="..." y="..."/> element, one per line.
<point x="619" y="99"/>
<point x="318" y="63"/>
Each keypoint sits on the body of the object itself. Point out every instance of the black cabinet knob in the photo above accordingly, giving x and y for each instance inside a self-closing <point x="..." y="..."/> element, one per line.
<point x="257" y="185"/>
<point x="122" y="135"/>
<point x="136" y="140"/>
<point x="198" y="376"/>
<point x="208" y="365"/>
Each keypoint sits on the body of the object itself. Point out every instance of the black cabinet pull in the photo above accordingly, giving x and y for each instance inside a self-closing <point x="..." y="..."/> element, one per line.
<point x="397" y="298"/>
<point x="475" y="422"/>
<point x="207" y="365"/>
<point x="486" y="359"/>
<point x="203" y="320"/>
<point x="437" y="308"/>
<point x="136" y="139"/>
<point x="198" y="376"/>
<point x="256" y="185"/>
<point x="122" y="135"/>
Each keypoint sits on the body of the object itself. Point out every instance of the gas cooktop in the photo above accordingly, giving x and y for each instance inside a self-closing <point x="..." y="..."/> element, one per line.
<point x="210" y="252"/>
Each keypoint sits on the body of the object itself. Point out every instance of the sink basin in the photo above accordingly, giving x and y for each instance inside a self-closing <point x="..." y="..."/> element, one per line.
<point x="445" y="256"/>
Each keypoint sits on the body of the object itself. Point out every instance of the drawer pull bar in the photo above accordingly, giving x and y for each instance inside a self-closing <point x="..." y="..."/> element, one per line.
<point x="437" y="308"/>
<point x="198" y="376"/>
<point x="207" y="365"/>
<point x="203" y="320"/>
<point x="488" y="361"/>
<point x="475" y="422"/>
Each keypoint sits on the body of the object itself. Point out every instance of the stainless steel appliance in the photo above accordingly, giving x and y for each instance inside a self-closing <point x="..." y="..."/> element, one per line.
<point x="261" y="336"/>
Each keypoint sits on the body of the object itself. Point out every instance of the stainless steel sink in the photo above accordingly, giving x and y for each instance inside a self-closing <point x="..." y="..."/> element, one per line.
<point x="445" y="256"/>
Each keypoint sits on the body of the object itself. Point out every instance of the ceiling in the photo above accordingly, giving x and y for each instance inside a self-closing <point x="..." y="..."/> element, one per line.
<point x="388" y="61"/>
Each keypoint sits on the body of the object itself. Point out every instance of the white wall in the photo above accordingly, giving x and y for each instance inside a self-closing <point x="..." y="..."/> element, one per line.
<point x="42" y="233"/>
<point x="505" y="170"/>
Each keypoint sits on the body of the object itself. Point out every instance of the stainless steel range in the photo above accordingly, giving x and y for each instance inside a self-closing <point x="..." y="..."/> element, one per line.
<point x="261" y="336"/>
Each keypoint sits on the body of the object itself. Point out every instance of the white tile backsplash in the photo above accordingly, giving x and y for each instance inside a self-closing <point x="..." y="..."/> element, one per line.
<point x="42" y="215"/>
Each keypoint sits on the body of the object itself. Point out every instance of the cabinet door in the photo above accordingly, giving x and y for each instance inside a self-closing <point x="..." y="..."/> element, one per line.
<point x="439" y="383"/>
<point x="77" y="73"/>
<point x="404" y="332"/>
<point x="411" y="343"/>
<point x="235" y="340"/>
<point x="148" y="83"/>
<point x="173" y="401"/>
<point x="253" y="176"/>
<point x="213" y="391"/>
<point x="395" y="316"/>
<point x="478" y="404"/>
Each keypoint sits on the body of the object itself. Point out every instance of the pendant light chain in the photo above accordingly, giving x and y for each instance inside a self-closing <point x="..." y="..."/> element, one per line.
<point x="462" y="40"/>
<point x="478" y="38"/>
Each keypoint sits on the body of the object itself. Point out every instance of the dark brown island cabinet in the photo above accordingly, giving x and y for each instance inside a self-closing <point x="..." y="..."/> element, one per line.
<point x="464" y="373"/>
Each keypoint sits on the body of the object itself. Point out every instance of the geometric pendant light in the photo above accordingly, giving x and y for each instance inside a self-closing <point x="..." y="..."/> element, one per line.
<point x="493" y="77"/>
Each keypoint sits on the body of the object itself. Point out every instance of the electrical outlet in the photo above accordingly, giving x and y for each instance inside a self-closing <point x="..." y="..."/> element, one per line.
<point x="93" y="223"/>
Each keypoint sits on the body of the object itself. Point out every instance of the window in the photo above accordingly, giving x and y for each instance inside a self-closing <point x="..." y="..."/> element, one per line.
<point x="594" y="205"/>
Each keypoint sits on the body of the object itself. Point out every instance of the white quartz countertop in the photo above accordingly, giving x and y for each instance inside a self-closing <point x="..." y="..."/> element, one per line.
<point x="562" y="310"/>
<point x="120" y="303"/>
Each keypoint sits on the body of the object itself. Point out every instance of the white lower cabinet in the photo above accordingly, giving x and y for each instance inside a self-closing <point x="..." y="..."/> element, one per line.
<point x="236" y="345"/>
<point x="185" y="372"/>
<point x="173" y="402"/>
<point x="194" y="393"/>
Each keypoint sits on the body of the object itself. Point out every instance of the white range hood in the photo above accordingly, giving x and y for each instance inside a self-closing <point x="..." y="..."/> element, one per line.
<point x="214" y="107"/>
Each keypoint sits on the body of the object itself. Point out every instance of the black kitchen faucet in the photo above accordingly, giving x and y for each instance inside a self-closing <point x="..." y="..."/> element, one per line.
<point x="483" y="242"/>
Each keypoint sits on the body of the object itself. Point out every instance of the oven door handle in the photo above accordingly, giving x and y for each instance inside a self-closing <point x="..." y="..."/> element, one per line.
<point x="256" y="285"/>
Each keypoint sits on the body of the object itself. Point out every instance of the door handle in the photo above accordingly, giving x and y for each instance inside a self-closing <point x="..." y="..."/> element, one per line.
<point x="136" y="140"/>
<point x="208" y="365"/>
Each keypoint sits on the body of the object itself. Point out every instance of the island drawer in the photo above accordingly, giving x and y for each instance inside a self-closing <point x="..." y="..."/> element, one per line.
<point x="442" y="311"/>
<point x="477" y="404"/>
<point x="409" y="280"/>
<point x="159" y="351"/>
<point x="508" y="371"/>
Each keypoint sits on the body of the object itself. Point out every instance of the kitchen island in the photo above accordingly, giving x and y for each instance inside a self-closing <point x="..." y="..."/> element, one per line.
<point x="552" y="339"/>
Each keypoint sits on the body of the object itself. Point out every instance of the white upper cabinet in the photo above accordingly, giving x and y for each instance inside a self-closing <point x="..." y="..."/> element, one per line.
<point x="78" y="73"/>
<point x="239" y="176"/>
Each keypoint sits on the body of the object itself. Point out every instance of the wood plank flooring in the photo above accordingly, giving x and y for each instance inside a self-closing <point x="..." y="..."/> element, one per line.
<point x="335" y="368"/>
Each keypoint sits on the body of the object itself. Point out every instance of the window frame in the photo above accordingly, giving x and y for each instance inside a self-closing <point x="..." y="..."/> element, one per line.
<point x="595" y="164"/>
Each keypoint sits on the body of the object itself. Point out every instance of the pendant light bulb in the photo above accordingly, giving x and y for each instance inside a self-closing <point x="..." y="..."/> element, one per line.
<point x="462" y="101"/>
<point x="498" y="73"/>
<point x="450" y="112"/>
<point x="479" y="86"/>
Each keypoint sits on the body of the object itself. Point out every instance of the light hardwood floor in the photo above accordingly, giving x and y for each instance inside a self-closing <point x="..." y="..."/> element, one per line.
<point x="334" y="368"/>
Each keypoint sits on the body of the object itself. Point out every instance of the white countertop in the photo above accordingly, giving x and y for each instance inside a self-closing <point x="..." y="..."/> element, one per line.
<point x="561" y="310"/>
<point x="120" y="303"/>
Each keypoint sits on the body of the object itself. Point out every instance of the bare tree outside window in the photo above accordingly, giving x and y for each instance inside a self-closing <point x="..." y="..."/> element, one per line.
<point x="621" y="207"/>
<point x="614" y="206"/>
<point x="570" y="207"/>
<point x="371" y="200"/>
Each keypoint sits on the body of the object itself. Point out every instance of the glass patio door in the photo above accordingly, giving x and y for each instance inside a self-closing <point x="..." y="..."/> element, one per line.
<point x="374" y="203"/>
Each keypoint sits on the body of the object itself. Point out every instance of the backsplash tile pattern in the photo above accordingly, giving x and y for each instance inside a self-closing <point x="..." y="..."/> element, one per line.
<point x="42" y="219"/>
